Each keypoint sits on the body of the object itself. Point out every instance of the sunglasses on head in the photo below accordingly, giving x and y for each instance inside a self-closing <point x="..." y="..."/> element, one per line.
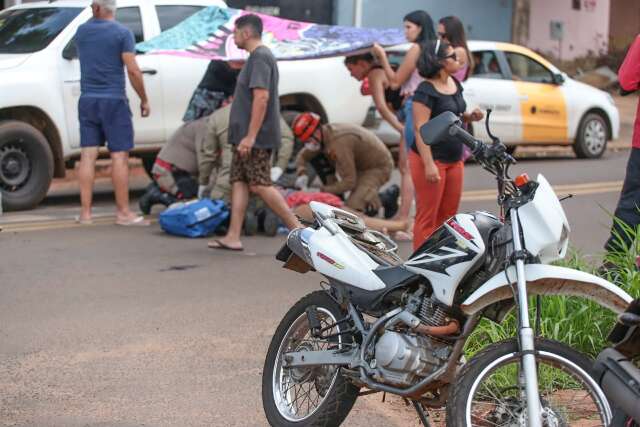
<point x="453" y="56"/>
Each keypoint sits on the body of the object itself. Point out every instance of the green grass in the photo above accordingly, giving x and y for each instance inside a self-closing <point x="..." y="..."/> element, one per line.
<point x="577" y="322"/>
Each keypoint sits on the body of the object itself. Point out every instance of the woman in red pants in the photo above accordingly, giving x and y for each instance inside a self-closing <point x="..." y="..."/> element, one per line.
<point x="437" y="170"/>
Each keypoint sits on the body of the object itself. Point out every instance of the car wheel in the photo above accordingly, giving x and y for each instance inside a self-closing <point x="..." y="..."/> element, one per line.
<point x="591" y="141"/>
<point x="26" y="165"/>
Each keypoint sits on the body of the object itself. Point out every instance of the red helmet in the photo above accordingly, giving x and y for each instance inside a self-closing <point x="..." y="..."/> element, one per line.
<point x="304" y="125"/>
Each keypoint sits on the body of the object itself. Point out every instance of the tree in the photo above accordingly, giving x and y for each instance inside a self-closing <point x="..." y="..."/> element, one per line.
<point x="520" y="21"/>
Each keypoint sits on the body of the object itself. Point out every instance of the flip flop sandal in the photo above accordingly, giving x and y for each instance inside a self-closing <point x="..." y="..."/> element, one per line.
<point x="83" y="221"/>
<point x="217" y="244"/>
<point x="135" y="222"/>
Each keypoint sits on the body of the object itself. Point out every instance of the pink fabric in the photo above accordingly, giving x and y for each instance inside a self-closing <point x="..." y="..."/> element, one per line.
<point x="461" y="74"/>
<point x="302" y="198"/>
<point x="410" y="86"/>
<point x="629" y="76"/>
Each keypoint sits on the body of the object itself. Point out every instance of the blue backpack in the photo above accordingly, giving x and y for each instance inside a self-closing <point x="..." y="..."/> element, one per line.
<point x="198" y="218"/>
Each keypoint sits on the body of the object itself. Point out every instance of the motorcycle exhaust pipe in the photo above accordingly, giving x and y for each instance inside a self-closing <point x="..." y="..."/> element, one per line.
<point x="619" y="379"/>
<point x="451" y="328"/>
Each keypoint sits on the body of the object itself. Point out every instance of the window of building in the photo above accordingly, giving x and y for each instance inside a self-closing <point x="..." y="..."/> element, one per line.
<point x="170" y="16"/>
<point x="528" y="70"/>
<point x="130" y="17"/>
<point x="576" y="4"/>
<point x="486" y="65"/>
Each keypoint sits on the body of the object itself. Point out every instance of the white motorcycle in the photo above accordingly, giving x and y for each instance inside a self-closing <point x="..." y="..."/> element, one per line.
<point x="382" y="324"/>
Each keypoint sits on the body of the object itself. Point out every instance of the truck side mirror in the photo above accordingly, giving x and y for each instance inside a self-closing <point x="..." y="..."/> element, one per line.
<point x="70" y="53"/>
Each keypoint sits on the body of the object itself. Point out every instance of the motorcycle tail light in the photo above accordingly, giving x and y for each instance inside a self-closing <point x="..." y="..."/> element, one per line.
<point x="521" y="180"/>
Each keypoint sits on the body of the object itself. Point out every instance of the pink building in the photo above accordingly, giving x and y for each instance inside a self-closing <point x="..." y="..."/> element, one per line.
<point x="567" y="29"/>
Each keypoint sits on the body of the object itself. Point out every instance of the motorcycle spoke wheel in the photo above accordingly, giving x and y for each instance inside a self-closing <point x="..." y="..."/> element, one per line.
<point x="492" y="392"/>
<point x="299" y="392"/>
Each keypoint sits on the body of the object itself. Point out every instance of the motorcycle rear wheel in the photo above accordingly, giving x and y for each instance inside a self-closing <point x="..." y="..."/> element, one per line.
<point x="307" y="397"/>
<point x="487" y="390"/>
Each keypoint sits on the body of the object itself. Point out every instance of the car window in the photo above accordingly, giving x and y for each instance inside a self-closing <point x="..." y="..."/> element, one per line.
<point x="31" y="30"/>
<point x="170" y="16"/>
<point x="130" y="17"/>
<point x="486" y="65"/>
<point x="527" y="69"/>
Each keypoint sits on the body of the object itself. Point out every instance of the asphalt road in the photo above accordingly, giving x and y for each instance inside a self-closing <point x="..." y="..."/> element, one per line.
<point x="106" y="326"/>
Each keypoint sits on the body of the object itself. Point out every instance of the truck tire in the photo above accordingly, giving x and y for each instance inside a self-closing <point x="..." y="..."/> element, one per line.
<point x="26" y="165"/>
<point x="591" y="140"/>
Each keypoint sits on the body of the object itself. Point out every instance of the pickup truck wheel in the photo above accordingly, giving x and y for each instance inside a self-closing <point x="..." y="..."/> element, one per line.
<point x="591" y="141"/>
<point x="26" y="165"/>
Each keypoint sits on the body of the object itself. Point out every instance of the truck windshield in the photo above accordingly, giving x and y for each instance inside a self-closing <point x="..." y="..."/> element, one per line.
<point x="32" y="29"/>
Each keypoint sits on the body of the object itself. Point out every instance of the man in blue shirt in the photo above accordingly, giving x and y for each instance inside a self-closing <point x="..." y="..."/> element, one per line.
<point x="105" y="47"/>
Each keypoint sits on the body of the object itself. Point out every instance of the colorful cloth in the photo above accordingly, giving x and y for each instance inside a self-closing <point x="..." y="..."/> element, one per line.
<point x="203" y="103"/>
<point x="299" y="198"/>
<point x="208" y="35"/>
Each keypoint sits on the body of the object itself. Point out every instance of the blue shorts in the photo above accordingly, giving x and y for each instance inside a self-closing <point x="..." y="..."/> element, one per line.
<point x="105" y="120"/>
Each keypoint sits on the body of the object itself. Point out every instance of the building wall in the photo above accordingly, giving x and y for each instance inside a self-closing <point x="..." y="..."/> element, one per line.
<point x="483" y="19"/>
<point x="624" y="23"/>
<point x="585" y="30"/>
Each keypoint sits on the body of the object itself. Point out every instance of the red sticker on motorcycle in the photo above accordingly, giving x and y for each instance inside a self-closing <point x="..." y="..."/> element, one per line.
<point x="458" y="228"/>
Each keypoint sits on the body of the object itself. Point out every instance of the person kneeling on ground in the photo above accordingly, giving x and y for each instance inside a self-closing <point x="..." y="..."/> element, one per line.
<point x="361" y="160"/>
<point x="197" y="159"/>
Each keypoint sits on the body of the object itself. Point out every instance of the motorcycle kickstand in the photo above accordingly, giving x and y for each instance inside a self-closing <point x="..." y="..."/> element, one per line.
<point x="422" y="414"/>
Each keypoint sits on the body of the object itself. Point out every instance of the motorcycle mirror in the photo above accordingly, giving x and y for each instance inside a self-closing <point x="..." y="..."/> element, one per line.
<point x="436" y="128"/>
<point x="494" y="138"/>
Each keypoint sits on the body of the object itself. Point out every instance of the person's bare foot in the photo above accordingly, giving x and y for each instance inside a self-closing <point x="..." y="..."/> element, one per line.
<point x="84" y="216"/>
<point x="84" y="220"/>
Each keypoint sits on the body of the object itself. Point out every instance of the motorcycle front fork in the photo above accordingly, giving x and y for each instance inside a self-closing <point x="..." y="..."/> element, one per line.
<point x="529" y="374"/>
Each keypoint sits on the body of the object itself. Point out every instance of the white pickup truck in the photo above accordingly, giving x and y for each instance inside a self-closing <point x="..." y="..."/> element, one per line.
<point x="40" y="87"/>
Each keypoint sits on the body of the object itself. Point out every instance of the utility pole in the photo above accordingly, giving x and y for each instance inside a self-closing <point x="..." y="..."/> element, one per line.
<point x="357" y="13"/>
<point x="520" y="21"/>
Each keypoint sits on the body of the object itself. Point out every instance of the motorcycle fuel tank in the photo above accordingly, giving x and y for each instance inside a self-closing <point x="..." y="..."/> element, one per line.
<point x="448" y="255"/>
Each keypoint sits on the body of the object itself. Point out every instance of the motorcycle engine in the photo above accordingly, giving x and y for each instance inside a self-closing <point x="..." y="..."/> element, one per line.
<point x="402" y="358"/>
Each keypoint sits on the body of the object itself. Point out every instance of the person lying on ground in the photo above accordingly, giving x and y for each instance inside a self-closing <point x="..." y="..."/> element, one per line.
<point x="387" y="226"/>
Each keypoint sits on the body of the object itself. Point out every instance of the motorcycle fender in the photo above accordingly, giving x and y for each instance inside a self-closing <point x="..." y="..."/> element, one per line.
<point x="548" y="280"/>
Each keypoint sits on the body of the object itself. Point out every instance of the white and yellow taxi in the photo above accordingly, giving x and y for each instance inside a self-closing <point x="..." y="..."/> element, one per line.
<point x="535" y="103"/>
<point x="532" y="101"/>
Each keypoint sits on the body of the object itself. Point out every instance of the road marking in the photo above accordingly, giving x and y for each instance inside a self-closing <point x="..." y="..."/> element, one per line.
<point x="467" y="196"/>
<point x="575" y="189"/>
<point x="59" y="224"/>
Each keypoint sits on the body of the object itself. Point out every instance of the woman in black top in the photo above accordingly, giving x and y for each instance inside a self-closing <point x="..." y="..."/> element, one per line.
<point x="437" y="170"/>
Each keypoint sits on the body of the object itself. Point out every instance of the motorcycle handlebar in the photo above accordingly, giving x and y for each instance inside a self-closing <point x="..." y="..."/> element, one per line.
<point x="467" y="139"/>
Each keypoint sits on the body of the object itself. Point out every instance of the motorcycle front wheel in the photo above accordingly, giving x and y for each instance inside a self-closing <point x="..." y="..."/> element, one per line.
<point x="489" y="390"/>
<point x="319" y="396"/>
